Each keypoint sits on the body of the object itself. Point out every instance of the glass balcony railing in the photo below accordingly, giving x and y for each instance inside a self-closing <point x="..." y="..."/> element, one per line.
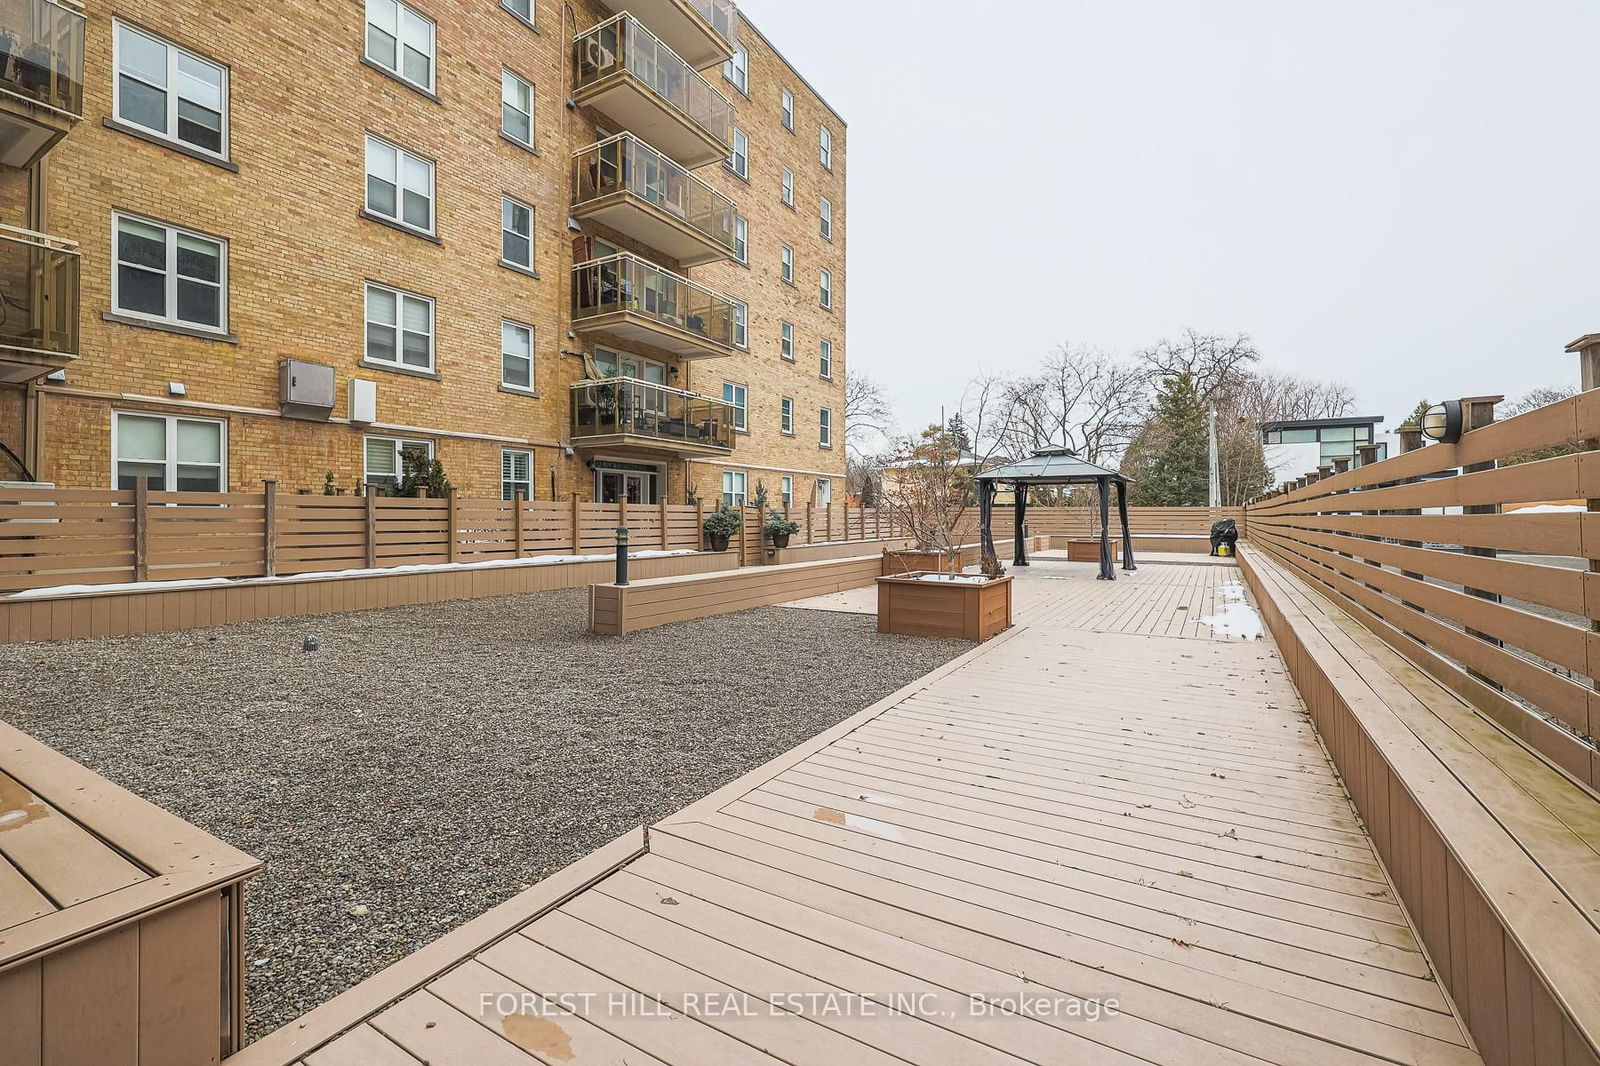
<point x="626" y="283"/>
<point x="626" y="164"/>
<point x="637" y="408"/>
<point x="41" y="53"/>
<point x="38" y="293"/>
<point x="622" y="44"/>
<point x="723" y="16"/>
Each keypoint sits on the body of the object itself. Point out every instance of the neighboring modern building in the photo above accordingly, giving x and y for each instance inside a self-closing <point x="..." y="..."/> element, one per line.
<point x="566" y="249"/>
<point x="1299" y="446"/>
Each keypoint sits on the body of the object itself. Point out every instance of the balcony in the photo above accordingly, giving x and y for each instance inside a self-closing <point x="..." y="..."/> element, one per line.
<point x="628" y="75"/>
<point x="703" y="32"/>
<point x="38" y="304"/>
<point x="625" y="184"/>
<point x="636" y="300"/>
<point x="41" y="77"/>
<point x="627" y="412"/>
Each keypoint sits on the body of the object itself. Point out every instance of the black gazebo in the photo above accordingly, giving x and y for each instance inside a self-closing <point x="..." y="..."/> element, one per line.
<point x="1057" y="466"/>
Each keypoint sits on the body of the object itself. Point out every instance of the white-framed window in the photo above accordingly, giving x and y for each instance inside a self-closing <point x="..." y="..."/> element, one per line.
<point x="176" y="454"/>
<point x="825" y="427"/>
<point x="825" y="143"/>
<point x="516" y="108"/>
<point x="825" y="360"/>
<point x="786" y="341"/>
<point x="739" y="160"/>
<point x="788" y="187"/>
<point x="516" y="233"/>
<point x="400" y="41"/>
<point x="786" y="415"/>
<point x="516" y="474"/>
<point x="170" y="275"/>
<point x="384" y="462"/>
<point x="399" y="328"/>
<point x="169" y="91"/>
<point x="741" y="324"/>
<point x="399" y="185"/>
<point x="788" y="265"/>
<point x="738" y="397"/>
<point x="733" y="486"/>
<point x="825" y="288"/>
<point x="516" y="355"/>
<point x="737" y="70"/>
<point x="824" y="492"/>
<point x="825" y="209"/>
<point x="523" y="9"/>
<point x="787" y="103"/>
<point x="786" y="490"/>
<point x="741" y="239"/>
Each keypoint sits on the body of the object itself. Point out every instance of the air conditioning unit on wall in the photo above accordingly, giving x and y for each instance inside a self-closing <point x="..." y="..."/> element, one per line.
<point x="306" y="390"/>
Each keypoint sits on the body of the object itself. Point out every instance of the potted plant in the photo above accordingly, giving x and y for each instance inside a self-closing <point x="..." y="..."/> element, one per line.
<point x="780" y="529"/>
<point x="721" y="525"/>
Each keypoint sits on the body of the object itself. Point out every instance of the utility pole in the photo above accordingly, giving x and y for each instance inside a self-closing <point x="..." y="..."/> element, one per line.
<point x="1211" y="442"/>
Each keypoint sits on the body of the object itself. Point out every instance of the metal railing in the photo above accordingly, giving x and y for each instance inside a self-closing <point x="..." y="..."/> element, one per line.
<point x="41" y="54"/>
<point x="39" y="278"/>
<point x="626" y="164"/>
<point x="624" y="282"/>
<point x="628" y="405"/>
<point x="623" y="44"/>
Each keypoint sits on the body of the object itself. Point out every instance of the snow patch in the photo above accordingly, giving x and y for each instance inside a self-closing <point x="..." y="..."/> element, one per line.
<point x="1236" y="618"/>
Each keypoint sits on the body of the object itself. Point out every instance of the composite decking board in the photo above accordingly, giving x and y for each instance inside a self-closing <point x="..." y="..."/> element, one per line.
<point x="362" y="1046"/>
<point x="63" y="860"/>
<point x="20" y="901"/>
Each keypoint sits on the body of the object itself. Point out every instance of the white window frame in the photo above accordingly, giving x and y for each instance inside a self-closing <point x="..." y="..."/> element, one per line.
<point x="786" y="341"/>
<point x="510" y="455"/>
<point x="735" y="488"/>
<point x="399" y="444"/>
<point x="531" y="388"/>
<point x="400" y="186"/>
<point x="738" y="159"/>
<point x="506" y="201"/>
<point x="825" y="359"/>
<point x="788" y="265"/>
<point x="741" y="324"/>
<point x="531" y="18"/>
<point x="170" y="475"/>
<point x="398" y="71"/>
<point x="174" y="51"/>
<point x="824" y="491"/>
<point x="825" y="427"/>
<point x="399" y="363"/>
<point x="825" y="211"/>
<point x="737" y="396"/>
<point x="741" y="239"/>
<point x="736" y="69"/>
<point x="170" y="272"/>
<point x="786" y="490"/>
<point x="786" y="104"/>
<point x="825" y="147"/>
<point x="786" y="416"/>
<point x="825" y="289"/>
<point x="787" y="191"/>
<point x="509" y="75"/>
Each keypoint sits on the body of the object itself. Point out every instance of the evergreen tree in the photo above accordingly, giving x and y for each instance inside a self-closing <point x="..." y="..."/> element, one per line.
<point x="1174" y="466"/>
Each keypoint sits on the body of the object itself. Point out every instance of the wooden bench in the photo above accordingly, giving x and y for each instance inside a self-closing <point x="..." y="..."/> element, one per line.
<point x="1494" y="850"/>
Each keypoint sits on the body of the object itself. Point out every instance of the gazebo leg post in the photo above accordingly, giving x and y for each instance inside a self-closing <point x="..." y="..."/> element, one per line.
<point x="1127" y="537"/>
<point x="986" y="493"/>
<point x="1019" y="490"/>
<point x="1107" y="572"/>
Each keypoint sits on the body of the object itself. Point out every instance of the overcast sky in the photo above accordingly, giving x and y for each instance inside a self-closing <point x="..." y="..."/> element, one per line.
<point x="1403" y="195"/>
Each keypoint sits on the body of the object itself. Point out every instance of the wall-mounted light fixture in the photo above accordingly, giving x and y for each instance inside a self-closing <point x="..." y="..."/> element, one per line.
<point x="1443" y="422"/>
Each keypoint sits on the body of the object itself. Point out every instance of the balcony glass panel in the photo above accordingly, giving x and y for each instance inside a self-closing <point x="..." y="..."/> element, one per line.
<point x="622" y="44"/>
<point x="626" y="164"/>
<point x="39" y="289"/>
<point x="626" y="283"/>
<point x="41" y="54"/>
<point x="638" y="408"/>
<point x="723" y="16"/>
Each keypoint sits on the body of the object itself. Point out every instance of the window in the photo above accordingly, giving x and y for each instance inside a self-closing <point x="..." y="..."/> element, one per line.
<point x="516" y="474"/>
<point x="516" y="233"/>
<point x="825" y="362"/>
<point x="182" y="454"/>
<point x="733" y="483"/>
<point x="523" y="9"/>
<point x="399" y="185"/>
<point x="826" y="210"/>
<point x="825" y="296"/>
<point x="786" y="491"/>
<point x="739" y="161"/>
<point x="384" y="463"/>
<point x="825" y="424"/>
<point x="739" y="397"/>
<point x="170" y="275"/>
<point x="786" y="417"/>
<point x="399" y="328"/>
<point x="824" y="492"/>
<point x="170" y="92"/>
<point x="737" y="70"/>
<point x="825" y="139"/>
<point x="741" y="239"/>
<point x="788" y="110"/>
<point x="788" y="264"/>
<point x="400" y="41"/>
<point x="516" y="108"/>
<point x="741" y="324"/>
<point x="516" y="356"/>
<point x="786" y="341"/>
<point x="788" y="187"/>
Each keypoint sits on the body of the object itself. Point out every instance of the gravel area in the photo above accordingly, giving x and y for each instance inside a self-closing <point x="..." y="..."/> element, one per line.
<point x="426" y="763"/>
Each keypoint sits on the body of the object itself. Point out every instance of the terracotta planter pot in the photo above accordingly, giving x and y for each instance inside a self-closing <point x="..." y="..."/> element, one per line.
<point x="969" y="610"/>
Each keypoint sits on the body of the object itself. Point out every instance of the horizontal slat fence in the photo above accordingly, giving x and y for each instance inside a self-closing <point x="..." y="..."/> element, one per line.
<point x="1499" y="606"/>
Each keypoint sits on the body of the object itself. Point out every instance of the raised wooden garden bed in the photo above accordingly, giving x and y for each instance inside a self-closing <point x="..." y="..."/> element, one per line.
<point x="1086" y="550"/>
<point x="968" y="607"/>
<point x="912" y="561"/>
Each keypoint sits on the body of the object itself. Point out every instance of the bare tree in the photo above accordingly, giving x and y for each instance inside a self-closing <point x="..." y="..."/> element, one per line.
<point x="930" y="489"/>
<point x="867" y="417"/>
<point x="1216" y="364"/>
<point x="1273" y="396"/>
<point x="1079" y="399"/>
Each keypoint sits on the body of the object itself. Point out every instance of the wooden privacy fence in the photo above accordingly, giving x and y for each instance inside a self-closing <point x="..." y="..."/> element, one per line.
<point x="1501" y="607"/>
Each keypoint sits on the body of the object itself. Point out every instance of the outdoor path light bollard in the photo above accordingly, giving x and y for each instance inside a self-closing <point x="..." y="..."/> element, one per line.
<point x="622" y="555"/>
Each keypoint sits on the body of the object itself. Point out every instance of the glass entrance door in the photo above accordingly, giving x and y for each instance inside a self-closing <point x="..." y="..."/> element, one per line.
<point x="641" y="486"/>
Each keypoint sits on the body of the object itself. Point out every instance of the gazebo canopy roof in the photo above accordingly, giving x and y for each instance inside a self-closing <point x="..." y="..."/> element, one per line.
<point x="1052" y="466"/>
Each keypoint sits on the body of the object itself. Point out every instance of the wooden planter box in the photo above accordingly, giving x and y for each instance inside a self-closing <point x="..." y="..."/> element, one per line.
<point x="911" y="561"/>
<point x="1087" y="550"/>
<point x="969" y="610"/>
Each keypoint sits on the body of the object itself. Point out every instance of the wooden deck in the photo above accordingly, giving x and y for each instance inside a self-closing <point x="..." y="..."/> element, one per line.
<point x="1111" y="818"/>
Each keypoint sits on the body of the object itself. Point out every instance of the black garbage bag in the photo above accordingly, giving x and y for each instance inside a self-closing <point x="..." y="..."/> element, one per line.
<point x="1225" y="532"/>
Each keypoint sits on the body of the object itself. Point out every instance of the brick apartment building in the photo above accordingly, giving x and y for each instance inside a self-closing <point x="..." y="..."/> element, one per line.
<point x="288" y="241"/>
